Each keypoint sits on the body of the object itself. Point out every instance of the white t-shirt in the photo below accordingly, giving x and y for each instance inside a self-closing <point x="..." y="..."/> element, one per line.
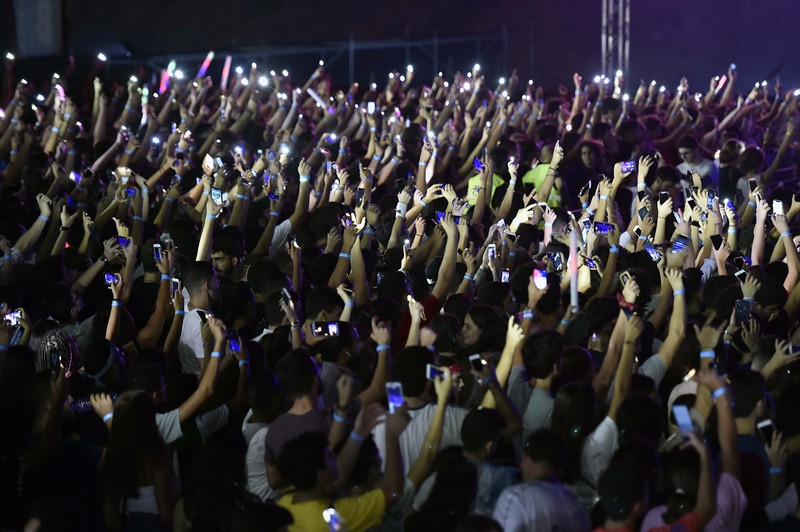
<point x="280" y="236"/>
<point x="596" y="454"/>
<point x="212" y="421"/>
<point x="255" y="435"/>
<point x="169" y="426"/>
<point x="540" y="506"/>
<point x="412" y="438"/>
<point x="190" y="346"/>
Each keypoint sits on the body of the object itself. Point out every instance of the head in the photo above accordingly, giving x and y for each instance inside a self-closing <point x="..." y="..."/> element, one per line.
<point x="544" y="456"/>
<point x="307" y="462"/>
<point x="590" y="153"/>
<point x="665" y="180"/>
<point x="623" y="491"/>
<point x="408" y="368"/>
<point x="687" y="149"/>
<point x="748" y="388"/>
<point x="483" y="329"/>
<point x="57" y="348"/>
<point x="574" y="419"/>
<point x="200" y="280"/>
<point x="227" y="256"/>
<point x="298" y="374"/>
<point x="323" y="304"/>
<point x="480" y="432"/>
<point x="541" y="354"/>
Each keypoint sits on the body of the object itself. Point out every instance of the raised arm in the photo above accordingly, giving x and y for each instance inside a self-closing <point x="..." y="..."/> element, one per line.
<point x="622" y="380"/>
<point x="430" y="446"/>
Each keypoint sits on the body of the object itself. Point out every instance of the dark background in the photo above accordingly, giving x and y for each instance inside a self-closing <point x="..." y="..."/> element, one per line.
<point x="546" y="41"/>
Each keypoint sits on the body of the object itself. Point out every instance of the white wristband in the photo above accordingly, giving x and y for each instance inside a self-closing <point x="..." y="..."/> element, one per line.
<point x="401" y="209"/>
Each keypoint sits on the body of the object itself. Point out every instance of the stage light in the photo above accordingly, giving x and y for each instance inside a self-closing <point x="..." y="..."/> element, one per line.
<point x="101" y="56"/>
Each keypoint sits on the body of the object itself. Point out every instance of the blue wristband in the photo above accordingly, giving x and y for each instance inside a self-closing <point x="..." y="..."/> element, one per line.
<point x="44" y="218"/>
<point x="527" y="315"/>
<point x="357" y="437"/>
<point x="775" y="470"/>
<point x="108" y="417"/>
<point x="719" y="392"/>
<point x="751" y="203"/>
<point x="748" y="298"/>
<point x="138" y="218"/>
<point x="169" y="198"/>
<point x="421" y="202"/>
<point x="216" y="354"/>
<point x="348" y="305"/>
<point x="3" y="348"/>
<point x="548" y="224"/>
<point x="603" y="197"/>
<point x="165" y="277"/>
<point x="585" y="204"/>
<point x="116" y="303"/>
<point x="128" y="152"/>
<point x="423" y="163"/>
<point x="565" y="323"/>
<point x="338" y="418"/>
<point x="180" y="312"/>
<point x="613" y="249"/>
<point x="210" y="217"/>
<point x="275" y="214"/>
<point x="642" y="237"/>
<point x="244" y="363"/>
<point x="708" y="353"/>
<point x="382" y="347"/>
<point x="787" y="233"/>
<point x="344" y="255"/>
<point x="469" y="277"/>
<point x="589" y="211"/>
<point x="732" y="231"/>
<point x="679" y="292"/>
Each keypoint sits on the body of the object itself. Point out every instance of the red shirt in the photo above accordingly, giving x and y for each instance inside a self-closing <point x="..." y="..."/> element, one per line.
<point x="431" y="304"/>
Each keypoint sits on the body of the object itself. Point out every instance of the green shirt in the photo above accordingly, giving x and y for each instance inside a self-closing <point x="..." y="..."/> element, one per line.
<point x="536" y="177"/>
<point x="474" y="184"/>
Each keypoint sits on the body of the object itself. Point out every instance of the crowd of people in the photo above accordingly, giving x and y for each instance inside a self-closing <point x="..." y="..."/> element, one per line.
<point x="267" y="305"/>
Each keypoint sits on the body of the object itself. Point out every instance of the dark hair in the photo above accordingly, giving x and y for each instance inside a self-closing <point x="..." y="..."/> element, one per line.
<point x="682" y="472"/>
<point x="302" y="458"/>
<point x="481" y="427"/>
<point x="574" y="419"/>
<point x="748" y="389"/>
<point x="621" y="487"/>
<point x="144" y="376"/>
<point x="236" y="298"/>
<point x="540" y="352"/>
<point x="492" y="326"/>
<point x="786" y="418"/>
<point x="297" y="371"/>
<point x="146" y="255"/>
<point x="547" y="446"/>
<point x="134" y="441"/>
<point x="408" y="368"/>
<point x="640" y="417"/>
<point x="258" y="516"/>
<point x="196" y="275"/>
<point x="446" y="327"/>
<point x="452" y="495"/>
<point x="478" y="523"/>
<point x="322" y="298"/>
<point x="687" y="142"/>
<point x="228" y="246"/>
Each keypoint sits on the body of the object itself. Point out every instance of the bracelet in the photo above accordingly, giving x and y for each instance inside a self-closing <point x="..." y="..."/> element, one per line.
<point x="512" y="254"/>
<point x="787" y="233"/>
<point x="528" y="313"/>
<point x="338" y="418"/>
<point x="679" y="292"/>
<point x="642" y="237"/>
<point x="357" y="437"/>
<point x="55" y="130"/>
<point x="7" y="256"/>
<point x="348" y="305"/>
<point x="451" y="148"/>
<point x="216" y="354"/>
<point x="275" y="214"/>
<point x="613" y="248"/>
<point x="369" y="231"/>
<point x="210" y="217"/>
<point x="731" y="231"/>
<point x="603" y="197"/>
<point x="382" y="347"/>
<point x="640" y="186"/>
<point x="116" y="303"/>
<point x="395" y="160"/>
<point x="296" y="325"/>
<point x="79" y="188"/>
<point x="128" y="152"/>
<point x="165" y="277"/>
<point x="422" y="202"/>
<point x="719" y="392"/>
<point x="512" y="181"/>
<point x="589" y="211"/>
<point x="242" y="197"/>
<point x="503" y="243"/>
<point x="67" y="116"/>
<point x="205" y="193"/>
<point x="748" y="298"/>
<point x="342" y="152"/>
<point x="14" y="152"/>
<point x="3" y="348"/>
<point x="585" y="204"/>
<point x="128" y="107"/>
<point x="169" y="198"/>
<point x="469" y="277"/>
<point x="565" y="323"/>
<point x="423" y="163"/>
<point x="751" y="203"/>
<point x="548" y="224"/>
<point x="373" y="129"/>
<point x="344" y="255"/>
<point x="707" y="353"/>
<point x="180" y="312"/>
<point x="138" y="218"/>
<point x="244" y="363"/>
<point x="775" y="470"/>
<point x="376" y="157"/>
<point x="43" y="218"/>
<point x="107" y="417"/>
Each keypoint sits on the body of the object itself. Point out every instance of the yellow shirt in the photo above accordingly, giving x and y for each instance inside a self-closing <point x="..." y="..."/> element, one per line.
<point x="475" y="182"/>
<point x="357" y="513"/>
<point x="536" y="176"/>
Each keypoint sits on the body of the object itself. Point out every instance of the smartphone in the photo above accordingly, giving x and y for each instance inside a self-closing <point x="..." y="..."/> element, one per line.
<point x="440" y="216"/>
<point x="157" y="252"/>
<point x="476" y="362"/>
<point x="602" y="228"/>
<point x="394" y="394"/>
<point x="477" y="164"/>
<point x="691" y="203"/>
<point x="628" y="166"/>
<point x="585" y="189"/>
<point x="689" y="375"/>
<point x="124" y="242"/>
<point x="663" y="197"/>
<point x="558" y="263"/>
<point x="642" y="213"/>
<point x="13" y="317"/>
<point x="625" y="277"/>
<point x="360" y="196"/>
<point x="540" y="279"/>
<point x="75" y="177"/>
<point x="677" y="216"/>
<point x="431" y="372"/>
<point x="777" y="207"/>
<point x="218" y="162"/>
<point x="216" y="195"/>
<point x="110" y="279"/>
<point x="637" y="230"/>
<point x="652" y="251"/>
<point x="740" y="262"/>
<point x="683" y="419"/>
<point x="325" y="328"/>
<point x="642" y="194"/>
<point x="716" y="240"/>
<point x="370" y="107"/>
<point x="741" y="275"/>
<point x="767" y="429"/>
<point x="203" y="316"/>
<point x="679" y="244"/>
<point x="233" y="340"/>
<point x="286" y="296"/>
<point x="176" y="283"/>
<point x="711" y="197"/>
<point x="331" y="517"/>
<point x="753" y="183"/>
<point x="505" y="275"/>
<point x="743" y="311"/>
<point x="492" y="250"/>
<point x="591" y="264"/>
<point x="131" y="192"/>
